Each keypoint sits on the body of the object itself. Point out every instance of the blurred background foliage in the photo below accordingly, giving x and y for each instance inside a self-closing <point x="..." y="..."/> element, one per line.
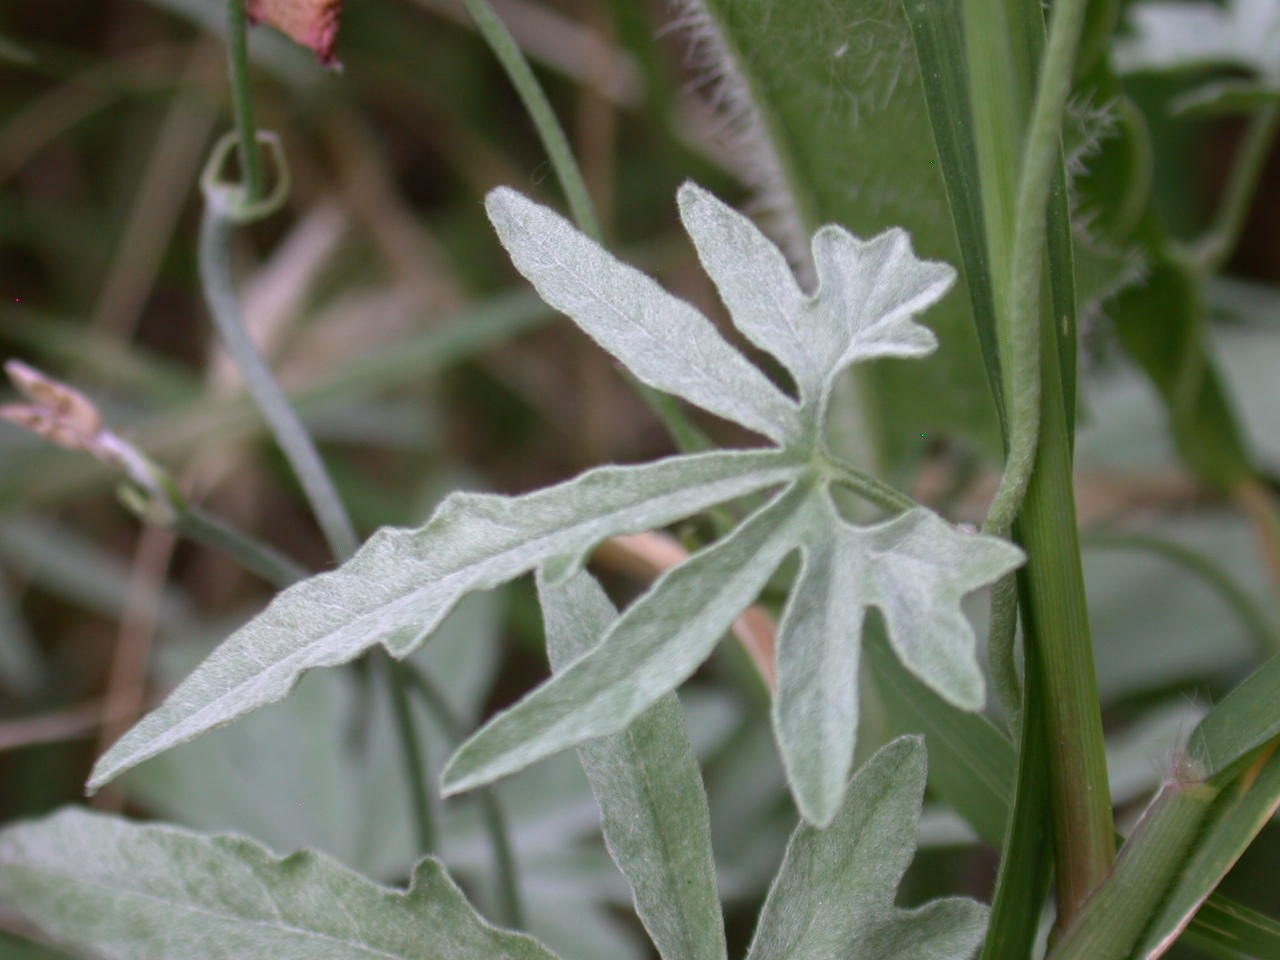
<point x="422" y="364"/>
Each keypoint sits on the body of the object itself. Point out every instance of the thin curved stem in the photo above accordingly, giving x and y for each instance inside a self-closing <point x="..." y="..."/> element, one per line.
<point x="511" y="910"/>
<point x="1020" y="333"/>
<point x="411" y="756"/>
<point x="224" y="305"/>
<point x="535" y="101"/>
<point x="251" y="167"/>
<point x="266" y="561"/>
<point x="1211" y="251"/>
<point x="687" y="436"/>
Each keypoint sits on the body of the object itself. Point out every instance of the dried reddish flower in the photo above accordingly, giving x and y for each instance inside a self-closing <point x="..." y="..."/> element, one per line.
<point x="312" y="23"/>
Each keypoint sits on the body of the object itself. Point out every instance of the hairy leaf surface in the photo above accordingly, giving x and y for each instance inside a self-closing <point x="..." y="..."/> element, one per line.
<point x="145" y="892"/>
<point x="658" y="643"/>
<point x="833" y="897"/>
<point x="665" y="342"/>
<point x="914" y="569"/>
<point x="646" y="780"/>
<point x="402" y="583"/>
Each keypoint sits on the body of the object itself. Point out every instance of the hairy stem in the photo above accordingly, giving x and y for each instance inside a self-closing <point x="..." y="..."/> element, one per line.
<point x="1019" y="320"/>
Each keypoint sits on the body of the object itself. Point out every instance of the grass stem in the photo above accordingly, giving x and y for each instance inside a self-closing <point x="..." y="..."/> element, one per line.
<point x="510" y="908"/>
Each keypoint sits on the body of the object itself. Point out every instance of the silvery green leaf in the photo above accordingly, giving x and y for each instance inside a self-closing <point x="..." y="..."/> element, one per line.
<point x="654" y="647"/>
<point x="1176" y="36"/>
<point x="754" y="281"/>
<point x="647" y="782"/>
<point x="833" y="896"/>
<point x="402" y="583"/>
<point x="148" y="892"/>
<point x="915" y="569"/>
<point x="331" y="781"/>
<point x="664" y="341"/>
<point x="868" y="292"/>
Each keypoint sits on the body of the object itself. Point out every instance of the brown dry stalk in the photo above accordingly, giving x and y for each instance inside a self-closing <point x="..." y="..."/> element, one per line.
<point x="646" y="555"/>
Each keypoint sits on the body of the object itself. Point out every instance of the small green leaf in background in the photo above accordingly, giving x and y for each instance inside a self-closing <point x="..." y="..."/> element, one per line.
<point x="143" y="892"/>
<point x="833" y="897"/>
<point x="646" y="780"/>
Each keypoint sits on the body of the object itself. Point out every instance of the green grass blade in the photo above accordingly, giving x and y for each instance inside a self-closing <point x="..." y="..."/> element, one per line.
<point x="1228" y="930"/>
<point x="1113" y="918"/>
<point x="1244" y="809"/>
<point x="1026" y="863"/>
<point x="972" y="768"/>
<point x="939" y="41"/>
<point x="1245" y="720"/>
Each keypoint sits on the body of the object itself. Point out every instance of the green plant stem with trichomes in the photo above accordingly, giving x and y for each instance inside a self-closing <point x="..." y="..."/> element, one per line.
<point x="1019" y="321"/>
<point x="1035" y="497"/>
<point x="510" y="907"/>
<point x="251" y="166"/>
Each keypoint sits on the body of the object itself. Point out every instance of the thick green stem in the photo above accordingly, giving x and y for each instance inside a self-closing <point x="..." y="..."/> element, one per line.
<point x="289" y="432"/>
<point x="1019" y="321"/>
<point x="251" y="167"/>
<point x="1056" y="618"/>
<point x="511" y="911"/>
<point x="1036" y="489"/>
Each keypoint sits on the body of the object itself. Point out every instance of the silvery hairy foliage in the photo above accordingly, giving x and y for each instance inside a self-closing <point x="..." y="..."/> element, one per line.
<point x="913" y="567"/>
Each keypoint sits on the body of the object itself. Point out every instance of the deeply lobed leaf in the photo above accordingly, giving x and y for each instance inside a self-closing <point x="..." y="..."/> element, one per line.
<point x="913" y="568"/>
